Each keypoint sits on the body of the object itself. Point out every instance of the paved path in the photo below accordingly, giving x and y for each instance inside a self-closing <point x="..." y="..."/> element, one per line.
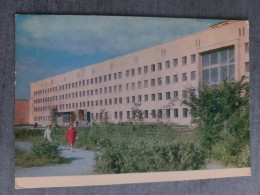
<point x="82" y="163"/>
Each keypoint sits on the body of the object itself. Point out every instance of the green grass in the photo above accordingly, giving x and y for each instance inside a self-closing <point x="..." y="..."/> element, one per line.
<point x="28" y="159"/>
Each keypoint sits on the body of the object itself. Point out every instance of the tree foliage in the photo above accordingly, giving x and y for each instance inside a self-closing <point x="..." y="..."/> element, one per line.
<point x="221" y="112"/>
<point x="54" y="115"/>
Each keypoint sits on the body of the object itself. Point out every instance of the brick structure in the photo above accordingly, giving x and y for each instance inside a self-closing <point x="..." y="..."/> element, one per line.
<point x="22" y="112"/>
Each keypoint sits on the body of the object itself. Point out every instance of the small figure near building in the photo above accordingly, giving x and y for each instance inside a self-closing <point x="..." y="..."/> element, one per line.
<point x="47" y="133"/>
<point x="71" y="134"/>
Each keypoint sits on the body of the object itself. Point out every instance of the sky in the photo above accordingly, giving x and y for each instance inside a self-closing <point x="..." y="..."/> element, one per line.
<point x="48" y="45"/>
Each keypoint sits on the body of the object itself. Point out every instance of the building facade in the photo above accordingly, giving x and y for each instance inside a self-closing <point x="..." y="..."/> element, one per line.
<point x="22" y="112"/>
<point x="150" y="83"/>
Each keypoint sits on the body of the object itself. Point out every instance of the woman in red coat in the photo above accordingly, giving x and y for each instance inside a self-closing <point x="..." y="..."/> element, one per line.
<point x="71" y="134"/>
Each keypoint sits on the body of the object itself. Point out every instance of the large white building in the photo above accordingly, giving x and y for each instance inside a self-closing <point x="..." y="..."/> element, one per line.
<point x="156" y="78"/>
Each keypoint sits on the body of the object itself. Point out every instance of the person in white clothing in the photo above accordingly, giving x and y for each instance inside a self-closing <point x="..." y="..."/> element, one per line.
<point x="47" y="133"/>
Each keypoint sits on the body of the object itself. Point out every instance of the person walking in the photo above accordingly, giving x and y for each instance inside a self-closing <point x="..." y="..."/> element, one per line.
<point x="71" y="134"/>
<point x="47" y="133"/>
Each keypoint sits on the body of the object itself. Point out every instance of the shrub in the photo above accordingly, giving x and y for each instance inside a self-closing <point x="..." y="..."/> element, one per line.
<point x="46" y="149"/>
<point x="147" y="155"/>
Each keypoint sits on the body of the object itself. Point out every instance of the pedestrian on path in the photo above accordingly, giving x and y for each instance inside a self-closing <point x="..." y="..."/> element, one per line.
<point x="47" y="133"/>
<point x="71" y="134"/>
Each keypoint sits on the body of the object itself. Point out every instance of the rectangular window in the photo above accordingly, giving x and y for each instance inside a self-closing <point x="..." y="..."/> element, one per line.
<point x="115" y="88"/>
<point x="176" y="114"/>
<point x="167" y="64"/>
<point x="146" y="114"/>
<point x="88" y="103"/>
<point x="133" y="72"/>
<point x="100" y="79"/>
<point x="110" y="101"/>
<point x="159" y="81"/>
<point x="110" y="89"/>
<point x="139" y="84"/>
<point x="96" y="80"/>
<point x="214" y="75"/>
<point x="184" y="94"/>
<point x="96" y="102"/>
<point x="145" y="69"/>
<point x="120" y="88"/>
<point x="120" y="75"/>
<point x="133" y="99"/>
<point x="127" y="73"/>
<point x="153" y="97"/>
<point x="127" y="86"/>
<point x="184" y="60"/>
<point x="128" y="114"/>
<point x="87" y="83"/>
<point x="185" y="112"/>
<point x="168" y="95"/>
<point x="91" y="81"/>
<point x="105" y="90"/>
<point x="193" y="75"/>
<point x="145" y="83"/>
<point x="152" y="82"/>
<point x="139" y="70"/>
<point x="120" y="115"/>
<point x="184" y="77"/>
<point x="168" y="113"/>
<point x="152" y="67"/>
<point x="133" y="85"/>
<point x="246" y="47"/>
<point x="153" y="114"/>
<point x="115" y="76"/>
<point x="127" y="99"/>
<point x="145" y="97"/>
<point x="247" y="67"/>
<point x="167" y="80"/>
<point x="193" y="58"/>
<point x="105" y="101"/>
<point x="159" y="96"/>
<point x="105" y="78"/>
<point x="175" y="94"/>
<point x="120" y="100"/>
<point x="109" y="77"/>
<point x="159" y="113"/>
<point x="139" y="98"/>
<point x="96" y="91"/>
<point x="115" y="100"/>
<point x="92" y="103"/>
<point x="175" y="62"/>
<point x="205" y="76"/>
<point x="100" y="90"/>
<point x="100" y="102"/>
<point x="175" y="78"/>
<point x="160" y="66"/>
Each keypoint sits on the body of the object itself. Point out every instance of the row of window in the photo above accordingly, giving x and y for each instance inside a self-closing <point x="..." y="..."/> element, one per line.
<point x="118" y="75"/>
<point x="119" y="100"/>
<point x="160" y="113"/>
<point x="118" y="88"/>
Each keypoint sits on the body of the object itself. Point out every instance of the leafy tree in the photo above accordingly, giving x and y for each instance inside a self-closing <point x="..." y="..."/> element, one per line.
<point x="221" y="111"/>
<point x="54" y="115"/>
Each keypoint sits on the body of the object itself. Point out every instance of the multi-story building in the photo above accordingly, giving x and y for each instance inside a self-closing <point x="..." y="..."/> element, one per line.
<point x="157" y="78"/>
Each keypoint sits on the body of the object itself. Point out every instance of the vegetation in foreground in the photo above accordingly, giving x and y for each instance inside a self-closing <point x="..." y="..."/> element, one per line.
<point x="43" y="154"/>
<point x="222" y="118"/>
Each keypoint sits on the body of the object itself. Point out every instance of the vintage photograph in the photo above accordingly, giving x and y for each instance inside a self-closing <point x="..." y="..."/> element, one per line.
<point x="115" y="94"/>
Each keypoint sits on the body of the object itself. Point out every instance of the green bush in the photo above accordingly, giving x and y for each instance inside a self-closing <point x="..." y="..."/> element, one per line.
<point x="148" y="155"/>
<point x="46" y="149"/>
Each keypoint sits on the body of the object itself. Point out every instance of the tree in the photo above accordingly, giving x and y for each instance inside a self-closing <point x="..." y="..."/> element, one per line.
<point x="216" y="109"/>
<point x="137" y="114"/>
<point x="54" y="115"/>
